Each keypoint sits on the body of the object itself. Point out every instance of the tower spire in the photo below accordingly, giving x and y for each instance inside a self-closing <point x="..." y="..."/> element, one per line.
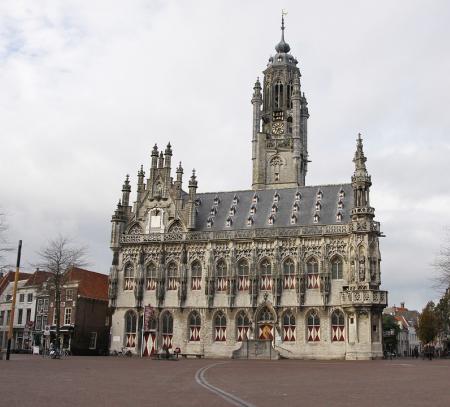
<point x="282" y="46"/>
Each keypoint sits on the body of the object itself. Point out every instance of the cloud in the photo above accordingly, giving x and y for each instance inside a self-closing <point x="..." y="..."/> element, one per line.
<point x="89" y="87"/>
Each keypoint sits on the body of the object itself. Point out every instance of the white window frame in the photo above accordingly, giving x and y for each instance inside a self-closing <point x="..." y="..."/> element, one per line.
<point x="67" y="313"/>
<point x="69" y="297"/>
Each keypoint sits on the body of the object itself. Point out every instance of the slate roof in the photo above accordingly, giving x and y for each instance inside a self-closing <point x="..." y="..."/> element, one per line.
<point x="218" y="207"/>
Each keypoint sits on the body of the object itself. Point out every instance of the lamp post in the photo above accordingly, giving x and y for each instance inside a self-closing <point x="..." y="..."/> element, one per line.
<point x="13" y="305"/>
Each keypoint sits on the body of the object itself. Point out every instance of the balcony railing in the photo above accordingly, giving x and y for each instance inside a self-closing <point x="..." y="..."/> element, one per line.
<point x="364" y="297"/>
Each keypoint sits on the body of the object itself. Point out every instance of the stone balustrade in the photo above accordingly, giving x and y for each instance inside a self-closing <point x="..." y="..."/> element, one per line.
<point x="364" y="297"/>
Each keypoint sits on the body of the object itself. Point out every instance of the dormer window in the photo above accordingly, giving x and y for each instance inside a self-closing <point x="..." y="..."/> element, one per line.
<point x="213" y="211"/>
<point x="319" y="195"/>
<point x="216" y="200"/>
<point x="255" y="199"/>
<point x="339" y="217"/>
<point x="340" y="204"/>
<point x="276" y="197"/>
<point x="316" y="218"/>
<point x="318" y="206"/>
<point x="232" y="211"/>
<point x="293" y="219"/>
<point x="198" y="202"/>
<point x="250" y="221"/>
<point x="209" y="222"/>
<point x="341" y="194"/>
<point x="235" y="200"/>
<point x="229" y="222"/>
<point x="271" y="219"/>
<point x="253" y="209"/>
<point x="295" y="207"/>
<point x="298" y="196"/>
<point x="274" y="208"/>
<point x="279" y="59"/>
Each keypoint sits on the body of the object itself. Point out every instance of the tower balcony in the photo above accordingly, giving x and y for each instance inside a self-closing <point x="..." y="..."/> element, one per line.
<point x="358" y="298"/>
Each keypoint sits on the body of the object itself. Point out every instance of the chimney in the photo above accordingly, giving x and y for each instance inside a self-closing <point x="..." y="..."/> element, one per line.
<point x="402" y="305"/>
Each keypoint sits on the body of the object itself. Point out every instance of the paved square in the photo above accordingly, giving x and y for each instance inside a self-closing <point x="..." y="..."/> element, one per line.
<point x="111" y="381"/>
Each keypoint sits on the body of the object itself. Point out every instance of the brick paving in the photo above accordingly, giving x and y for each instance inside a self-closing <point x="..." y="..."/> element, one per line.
<point x="110" y="381"/>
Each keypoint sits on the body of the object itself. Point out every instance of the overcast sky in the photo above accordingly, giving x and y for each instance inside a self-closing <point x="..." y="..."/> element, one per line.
<point x="87" y="88"/>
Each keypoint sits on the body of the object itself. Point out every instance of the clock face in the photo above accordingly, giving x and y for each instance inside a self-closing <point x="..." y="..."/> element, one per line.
<point x="278" y="128"/>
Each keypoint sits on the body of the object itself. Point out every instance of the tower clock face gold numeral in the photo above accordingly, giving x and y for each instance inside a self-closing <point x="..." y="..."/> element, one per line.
<point x="278" y="128"/>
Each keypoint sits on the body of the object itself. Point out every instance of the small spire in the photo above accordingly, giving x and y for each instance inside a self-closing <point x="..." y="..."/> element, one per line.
<point x="360" y="159"/>
<point x="168" y="149"/>
<point x="155" y="150"/>
<point x="282" y="47"/>
<point x="141" y="172"/>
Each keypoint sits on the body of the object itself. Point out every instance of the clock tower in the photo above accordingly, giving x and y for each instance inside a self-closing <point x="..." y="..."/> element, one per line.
<point x="280" y="114"/>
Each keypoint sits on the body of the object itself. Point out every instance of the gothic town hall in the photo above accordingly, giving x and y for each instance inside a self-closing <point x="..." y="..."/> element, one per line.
<point x="284" y="263"/>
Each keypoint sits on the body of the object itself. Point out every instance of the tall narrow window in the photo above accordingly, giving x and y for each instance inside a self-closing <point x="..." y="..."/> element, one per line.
<point x="288" y="274"/>
<point x="242" y="326"/>
<point x="220" y="327"/>
<point x="194" y="326"/>
<point x="288" y="327"/>
<point x="278" y="95"/>
<point x="128" y="275"/>
<point x="336" y="269"/>
<point x="337" y="326"/>
<point x="289" y="95"/>
<point x="266" y="275"/>
<point x="196" y="276"/>
<point x="167" y="329"/>
<point x="313" y="327"/>
<point x="20" y="317"/>
<point x="312" y="269"/>
<point x="150" y="283"/>
<point x="172" y="275"/>
<point x="221" y="270"/>
<point x="243" y="275"/>
<point x="130" y="329"/>
<point x="67" y="316"/>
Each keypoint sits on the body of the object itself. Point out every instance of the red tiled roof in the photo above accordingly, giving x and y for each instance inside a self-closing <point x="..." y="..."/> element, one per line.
<point x="37" y="278"/>
<point x="9" y="277"/>
<point x="91" y="284"/>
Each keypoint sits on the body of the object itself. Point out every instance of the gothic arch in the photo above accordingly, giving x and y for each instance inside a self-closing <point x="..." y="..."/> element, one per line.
<point x="266" y="305"/>
<point x="175" y="226"/>
<point x="135" y="229"/>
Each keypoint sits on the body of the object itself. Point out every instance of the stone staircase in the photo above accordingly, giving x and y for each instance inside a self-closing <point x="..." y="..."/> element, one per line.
<point x="256" y="349"/>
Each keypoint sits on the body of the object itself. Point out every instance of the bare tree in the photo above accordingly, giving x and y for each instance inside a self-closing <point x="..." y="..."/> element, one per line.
<point x="4" y="244"/>
<point x="57" y="257"/>
<point x="442" y="266"/>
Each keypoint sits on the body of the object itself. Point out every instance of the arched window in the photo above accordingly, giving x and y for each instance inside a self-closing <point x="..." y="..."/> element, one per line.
<point x="195" y="324"/>
<point x="150" y="283"/>
<point x="278" y="95"/>
<point x="220" y="327"/>
<point x="196" y="275"/>
<point x="128" y="277"/>
<point x="289" y="95"/>
<point x="221" y="272"/>
<point x="337" y="326"/>
<point x="312" y="270"/>
<point x="130" y="329"/>
<point x="313" y="323"/>
<point x="288" y="327"/>
<point x="266" y="275"/>
<point x="167" y="329"/>
<point x="243" y="275"/>
<point x="172" y="276"/>
<point x="336" y="269"/>
<point x="242" y="326"/>
<point x="289" y="274"/>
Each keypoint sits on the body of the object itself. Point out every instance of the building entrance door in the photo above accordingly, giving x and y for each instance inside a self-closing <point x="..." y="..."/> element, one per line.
<point x="149" y="345"/>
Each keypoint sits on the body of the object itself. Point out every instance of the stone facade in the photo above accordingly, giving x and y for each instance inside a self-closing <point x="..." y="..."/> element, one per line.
<point x="298" y="265"/>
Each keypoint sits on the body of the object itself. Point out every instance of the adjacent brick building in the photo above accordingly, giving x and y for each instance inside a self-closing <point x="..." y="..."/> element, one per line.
<point x="84" y="320"/>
